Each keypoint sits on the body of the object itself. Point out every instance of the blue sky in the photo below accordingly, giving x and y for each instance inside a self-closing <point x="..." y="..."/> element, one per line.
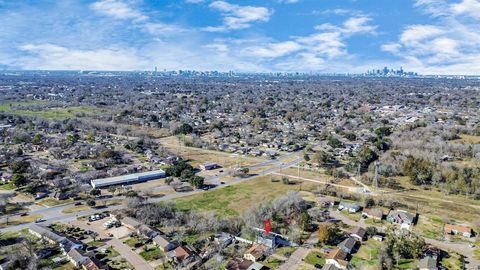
<point x="427" y="36"/>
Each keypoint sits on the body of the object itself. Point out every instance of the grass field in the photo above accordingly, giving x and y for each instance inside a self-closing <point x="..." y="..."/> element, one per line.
<point x="50" y="202"/>
<point x="367" y="255"/>
<point x="8" y="186"/>
<point x="20" y="220"/>
<point x="47" y="113"/>
<point x="75" y="209"/>
<point x="453" y="262"/>
<point x="235" y="199"/>
<point x="272" y="263"/>
<point x="199" y="156"/>
<point x="467" y="139"/>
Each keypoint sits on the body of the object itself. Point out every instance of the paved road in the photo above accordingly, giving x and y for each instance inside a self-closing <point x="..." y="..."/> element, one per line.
<point x="124" y="250"/>
<point x="461" y="248"/>
<point x="55" y="214"/>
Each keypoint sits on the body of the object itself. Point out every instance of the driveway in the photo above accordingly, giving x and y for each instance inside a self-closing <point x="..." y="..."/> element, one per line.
<point x="295" y="259"/>
<point x="125" y="251"/>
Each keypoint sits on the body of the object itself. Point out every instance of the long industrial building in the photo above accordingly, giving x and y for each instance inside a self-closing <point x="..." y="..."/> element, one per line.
<point x="127" y="179"/>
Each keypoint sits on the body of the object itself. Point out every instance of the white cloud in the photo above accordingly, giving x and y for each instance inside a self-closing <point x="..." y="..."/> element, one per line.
<point x="238" y="17"/>
<point x="117" y="9"/>
<point x="449" y="45"/>
<point x="467" y="7"/>
<point x="357" y="25"/>
<point x="273" y="50"/>
<point x="54" y="57"/>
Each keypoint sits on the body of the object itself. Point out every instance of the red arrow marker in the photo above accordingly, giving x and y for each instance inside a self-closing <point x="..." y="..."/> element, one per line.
<point x="267" y="225"/>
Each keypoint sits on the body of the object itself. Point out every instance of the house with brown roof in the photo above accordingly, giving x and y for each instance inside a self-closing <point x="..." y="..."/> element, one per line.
<point x="180" y="254"/>
<point x="338" y="257"/>
<point x="359" y="234"/>
<point x="256" y="252"/>
<point x="94" y="264"/>
<point x="456" y="229"/>
<point x="373" y="213"/>
<point x="238" y="265"/>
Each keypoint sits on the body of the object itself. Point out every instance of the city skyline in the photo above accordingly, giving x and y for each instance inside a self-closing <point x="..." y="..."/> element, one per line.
<point x="424" y="36"/>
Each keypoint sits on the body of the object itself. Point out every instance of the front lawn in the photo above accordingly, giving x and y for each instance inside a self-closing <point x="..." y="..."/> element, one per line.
<point x="315" y="257"/>
<point x="152" y="253"/>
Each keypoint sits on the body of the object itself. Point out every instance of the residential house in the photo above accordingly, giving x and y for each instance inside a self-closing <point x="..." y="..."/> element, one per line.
<point x="359" y="234"/>
<point x="59" y="195"/>
<point x="76" y="257"/>
<point x="325" y="202"/>
<point x="348" y="245"/>
<point x="256" y="252"/>
<point x="45" y="233"/>
<point x="131" y="223"/>
<point x="402" y="218"/>
<point x="338" y="257"/>
<point x="456" y="229"/>
<point x="272" y="240"/>
<point x="180" y="254"/>
<point x="257" y="266"/>
<point x="373" y="213"/>
<point x="93" y="264"/>
<point x="163" y="243"/>
<point x="66" y="243"/>
<point x="147" y="231"/>
<point x="223" y="239"/>
<point x="329" y="266"/>
<point x="69" y="243"/>
<point x="238" y="265"/>
<point x="351" y="207"/>
<point x="428" y="262"/>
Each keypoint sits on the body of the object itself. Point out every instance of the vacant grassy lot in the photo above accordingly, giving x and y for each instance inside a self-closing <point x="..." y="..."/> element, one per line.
<point x="367" y="255"/>
<point x="470" y="139"/>
<point x="75" y="209"/>
<point x="199" y="156"/>
<point x="235" y="199"/>
<point x="20" y="220"/>
<point x="49" y="202"/>
<point x="48" y="113"/>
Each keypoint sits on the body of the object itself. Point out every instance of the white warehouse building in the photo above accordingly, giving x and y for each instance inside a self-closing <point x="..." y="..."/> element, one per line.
<point x="127" y="179"/>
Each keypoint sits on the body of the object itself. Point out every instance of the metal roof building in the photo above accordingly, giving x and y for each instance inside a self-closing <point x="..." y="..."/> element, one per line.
<point x="127" y="179"/>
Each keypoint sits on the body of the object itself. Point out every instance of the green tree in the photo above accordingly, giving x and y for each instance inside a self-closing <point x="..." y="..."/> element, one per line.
<point x="73" y="138"/>
<point x="419" y="171"/>
<point x="95" y="192"/>
<point x="305" y="221"/>
<point x="197" y="181"/>
<point x="91" y="202"/>
<point x="112" y="189"/>
<point x="37" y="139"/>
<point x="19" y="180"/>
<point x="184" y="129"/>
<point x="19" y="166"/>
